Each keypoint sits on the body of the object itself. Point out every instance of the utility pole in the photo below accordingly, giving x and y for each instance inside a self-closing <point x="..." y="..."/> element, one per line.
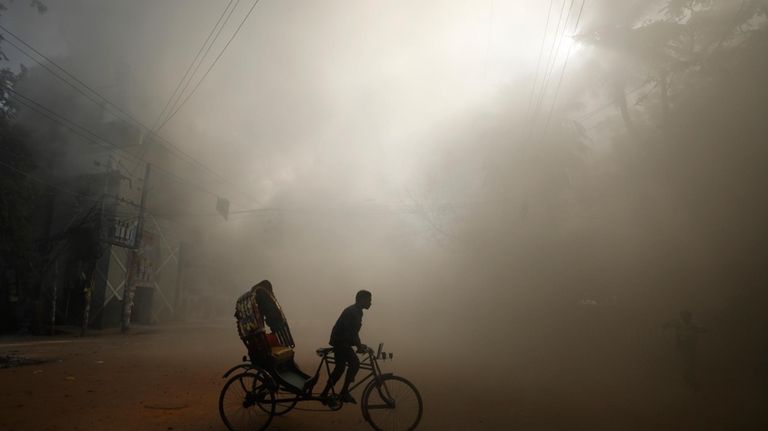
<point x="89" y="277"/>
<point x="178" y="314"/>
<point x="54" y="289"/>
<point x="133" y="267"/>
<point x="90" y="282"/>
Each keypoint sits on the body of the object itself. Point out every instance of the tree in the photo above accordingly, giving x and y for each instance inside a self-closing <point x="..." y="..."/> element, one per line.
<point x="699" y="173"/>
<point x="19" y="193"/>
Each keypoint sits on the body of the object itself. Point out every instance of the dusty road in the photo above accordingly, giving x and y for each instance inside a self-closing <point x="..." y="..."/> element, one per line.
<point x="152" y="379"/>
<point x="169" y="378"/>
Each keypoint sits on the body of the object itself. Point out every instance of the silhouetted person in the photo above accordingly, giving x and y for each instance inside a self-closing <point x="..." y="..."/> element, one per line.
<point x="345" y="335"/>
<point x="254" y="308"/>
<point x="686" y="338"/>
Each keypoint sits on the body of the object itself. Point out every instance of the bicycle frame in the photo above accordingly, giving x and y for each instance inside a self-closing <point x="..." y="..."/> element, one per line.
<point x="369" y="363"/>
<point x="281" y="389"/>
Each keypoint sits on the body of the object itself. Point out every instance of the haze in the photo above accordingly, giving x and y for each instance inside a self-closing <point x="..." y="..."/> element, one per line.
<point x="527" y="207"/>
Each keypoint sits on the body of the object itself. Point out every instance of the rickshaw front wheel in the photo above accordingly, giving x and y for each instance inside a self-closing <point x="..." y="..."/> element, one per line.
<point x="392" y="404"/>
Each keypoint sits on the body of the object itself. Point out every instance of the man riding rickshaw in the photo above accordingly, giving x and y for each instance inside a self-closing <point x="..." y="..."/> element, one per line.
<point x="271" y="384"/>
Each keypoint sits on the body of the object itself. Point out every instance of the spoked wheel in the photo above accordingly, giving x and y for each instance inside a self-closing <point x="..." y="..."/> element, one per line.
<point x="394" y="404"/>
<point x="284" y="402"/>
<point x="247" y="402"/>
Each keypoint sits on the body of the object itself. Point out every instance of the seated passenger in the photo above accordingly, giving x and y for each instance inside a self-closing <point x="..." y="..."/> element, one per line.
<point x="253" y="310"/>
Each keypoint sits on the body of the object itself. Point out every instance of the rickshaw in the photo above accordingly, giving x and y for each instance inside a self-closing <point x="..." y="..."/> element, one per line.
<point x="258" y="390"/>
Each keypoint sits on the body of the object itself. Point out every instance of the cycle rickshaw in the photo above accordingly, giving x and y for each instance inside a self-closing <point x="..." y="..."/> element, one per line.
<point x="258" y="390"/>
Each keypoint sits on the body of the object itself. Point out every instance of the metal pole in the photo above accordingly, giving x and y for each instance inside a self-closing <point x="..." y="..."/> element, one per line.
<point x="90" y="281"/>
<point x="179" y="282"/>
<point x="130" y="282"/>
<point x="54" y="288"/>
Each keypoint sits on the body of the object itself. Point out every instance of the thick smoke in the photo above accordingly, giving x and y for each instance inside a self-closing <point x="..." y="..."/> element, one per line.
<point x="397" y="148"/>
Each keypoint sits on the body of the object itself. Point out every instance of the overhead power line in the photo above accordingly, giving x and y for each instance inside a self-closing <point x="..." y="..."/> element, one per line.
<point x="542" y="90"/>
<point x="80" y="130"/>
<point x="91" y="94"/>
<point x="562" y="22"/>
<point x="538" y="61"/>
<point x="84" y="196"/>
<point x="95" y="139"/>
<point x="173" y="98"/>
<point x="41" y="181"/>
<point x="176" y="95"/>
<point x="191" y="93"/>
<point x="103" y="101"/>
<point x="562" y="72"/>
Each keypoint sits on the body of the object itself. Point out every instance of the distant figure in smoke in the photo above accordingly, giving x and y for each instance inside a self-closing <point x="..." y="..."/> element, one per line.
<point x="687" y="337"/>
<point x="254" y="308"/>
<point x="345" y="334"/>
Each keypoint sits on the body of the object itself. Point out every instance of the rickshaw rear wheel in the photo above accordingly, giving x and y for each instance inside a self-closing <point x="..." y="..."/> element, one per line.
<point x="247" y="402"/>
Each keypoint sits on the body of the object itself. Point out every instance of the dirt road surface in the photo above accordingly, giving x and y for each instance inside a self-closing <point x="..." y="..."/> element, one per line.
<point x="151" y="379"/>
<point x="169" y="378"/>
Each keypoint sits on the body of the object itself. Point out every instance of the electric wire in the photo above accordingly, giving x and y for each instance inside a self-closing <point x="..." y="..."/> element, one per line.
<point x="80" y="90"/>
<point x="75" y="128"/>
<point x="554" y="54"/>
<point x="81" y="195"/>
<point x="191" y="93"/>
<point x="106" y="102"/>
<point x="538" y="61"/>
<point x="173" y="97"/>
<point x="50" y="184"/>
<point x="81" y="85"/>
<point x="562" y="72"/>
<point x="94" y="139"/>
<point x="176" y="105"/>
<point x="113" y="214"/>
